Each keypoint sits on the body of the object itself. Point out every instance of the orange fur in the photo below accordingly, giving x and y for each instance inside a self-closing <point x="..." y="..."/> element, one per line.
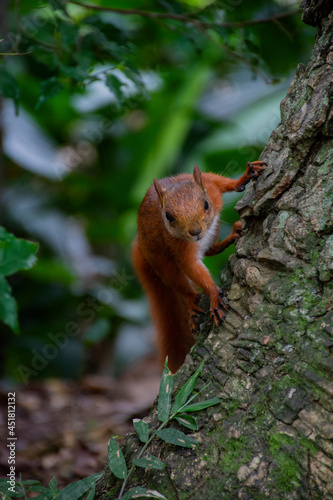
<point x="177" y="226"/>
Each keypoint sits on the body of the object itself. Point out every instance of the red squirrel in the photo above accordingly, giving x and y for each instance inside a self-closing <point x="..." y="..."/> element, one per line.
<point x="178" y="224"/>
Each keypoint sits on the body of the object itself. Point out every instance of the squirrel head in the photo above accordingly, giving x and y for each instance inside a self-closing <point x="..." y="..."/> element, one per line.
<point x="186" y="208"/>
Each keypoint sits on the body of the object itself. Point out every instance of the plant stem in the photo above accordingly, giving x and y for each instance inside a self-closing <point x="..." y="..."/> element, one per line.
<point x="139" y="455"/>
<point x="189" y="401"/>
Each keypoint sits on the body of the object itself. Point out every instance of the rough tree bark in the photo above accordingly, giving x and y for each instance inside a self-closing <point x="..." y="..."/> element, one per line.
<point x="271" y="362"/>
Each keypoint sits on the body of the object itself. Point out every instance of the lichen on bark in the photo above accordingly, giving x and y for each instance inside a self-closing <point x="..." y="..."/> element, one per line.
<point x="271" y="362"/>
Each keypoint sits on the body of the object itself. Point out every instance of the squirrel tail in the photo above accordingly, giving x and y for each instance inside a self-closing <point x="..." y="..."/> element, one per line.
<point x="170" y="313"/>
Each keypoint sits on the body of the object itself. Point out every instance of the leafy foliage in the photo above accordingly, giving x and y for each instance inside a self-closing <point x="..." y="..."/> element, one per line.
<point x="106" y="101"/>
<point x="170" y="435"/>
<point x="95" y="104"/>
<point x="142" y="429"/>
<point x="116" y="460"/>
<point x="15" y="254"/>
<point x="164" y="401"/>
<point x="74" y="491"/>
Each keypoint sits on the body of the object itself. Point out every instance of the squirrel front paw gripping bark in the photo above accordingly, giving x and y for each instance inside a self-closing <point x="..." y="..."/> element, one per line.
<point x="178" y="224"/>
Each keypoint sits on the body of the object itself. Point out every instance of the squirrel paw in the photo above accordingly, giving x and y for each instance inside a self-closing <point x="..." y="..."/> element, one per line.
<point x="236" y="230"/>
<point x="216" y="313"/>
<point x="253" y="170"/>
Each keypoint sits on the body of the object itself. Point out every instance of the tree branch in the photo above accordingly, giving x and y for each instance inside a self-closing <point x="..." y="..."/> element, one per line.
<point x="185" y="18"/>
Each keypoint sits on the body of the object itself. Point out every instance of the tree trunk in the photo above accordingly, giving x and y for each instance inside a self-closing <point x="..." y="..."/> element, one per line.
<point x="271" y="362"/>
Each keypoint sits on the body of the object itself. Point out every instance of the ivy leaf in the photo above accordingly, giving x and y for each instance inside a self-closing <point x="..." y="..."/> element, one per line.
<point x="187" y="421"/>
<point x="8" y="306"/>
<point x="202" y="405"/>
<point x="139" y="492"/>
<point x="142" y="429"/>
<point x="15" y="253"/>
<point x="164" y="395"/>
<point x="150" y="462"/>
<point x="186" y="390"/>
<point x="116" y="460"/>
<point x="48" y="89"/>
<point x="9" y="87"/>
<point x="174" y="436"/>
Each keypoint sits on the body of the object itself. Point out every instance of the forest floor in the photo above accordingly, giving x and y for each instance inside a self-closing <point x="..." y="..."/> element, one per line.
<point x="63" y="427"/>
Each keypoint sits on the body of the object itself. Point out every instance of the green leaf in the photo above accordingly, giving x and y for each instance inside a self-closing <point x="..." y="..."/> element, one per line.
<point x="49" y="89"/>
<point x="139" y="492"/>
<point x="116" y="460"/>
<point x="174" y="436"/>
<point x="186" y="390"/>
<point x="79" y="488"/>
<point x="164" y="395"/>
<point x="142" y="429"/>
<point x="115" y="86"/>
<point x="134" y="74"/>
<point x="76" y="73"/>
<point x="202" y="405"/>
<point x="15" y="253"/>
<point x="9" y="87"/>
<point x="91" y="495"/>
<point x="69" y="33"/>
<point x="19" y="490"/>
<point x="8" y="306"/>
<point x="187" y="421"/>
<point x="53" y="486"/>
<point x="31" y="482"/>
<point x="58" y="4"/>
<point x="150" y="462"/>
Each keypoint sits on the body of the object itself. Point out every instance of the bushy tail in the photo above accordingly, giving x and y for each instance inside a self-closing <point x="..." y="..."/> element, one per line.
<point x="170" y="313"/>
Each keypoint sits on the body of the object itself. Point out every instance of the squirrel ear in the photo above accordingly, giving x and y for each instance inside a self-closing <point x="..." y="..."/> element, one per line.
<point x="198" y="177"/>
<point x="160" y="191"/>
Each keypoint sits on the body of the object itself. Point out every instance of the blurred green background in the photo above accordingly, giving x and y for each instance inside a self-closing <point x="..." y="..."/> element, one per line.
<point x="97" y="104"/>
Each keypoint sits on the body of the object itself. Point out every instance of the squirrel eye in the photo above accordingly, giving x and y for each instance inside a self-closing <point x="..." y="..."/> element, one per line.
<point x="206" y="205"/>
<point x="169" y="217"/>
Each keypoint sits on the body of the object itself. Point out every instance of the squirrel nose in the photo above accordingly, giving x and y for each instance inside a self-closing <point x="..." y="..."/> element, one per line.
<point x="195" y="230"/>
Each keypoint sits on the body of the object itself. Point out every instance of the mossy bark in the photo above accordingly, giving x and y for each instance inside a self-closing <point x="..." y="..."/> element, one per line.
<point x="271" y="362"/>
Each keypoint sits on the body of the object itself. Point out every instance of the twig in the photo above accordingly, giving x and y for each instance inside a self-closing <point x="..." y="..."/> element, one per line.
<point x="185" y="18"/>
<point x="143" y="13"/>
<point x="14" y="53"/>
<point x="251" y="22"/>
